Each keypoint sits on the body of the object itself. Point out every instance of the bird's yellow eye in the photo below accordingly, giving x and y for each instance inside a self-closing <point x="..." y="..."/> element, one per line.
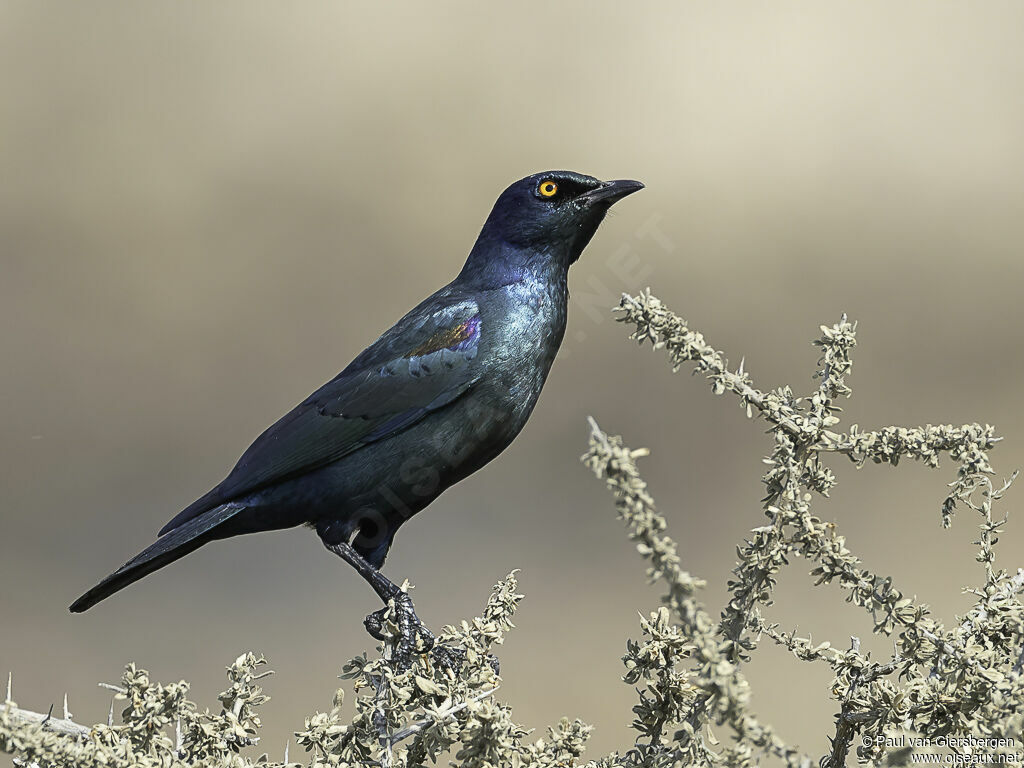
<point x="548" y="188"/>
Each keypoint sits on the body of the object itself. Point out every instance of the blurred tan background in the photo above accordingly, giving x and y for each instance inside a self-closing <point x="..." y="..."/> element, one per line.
<point x="206" y="211"/>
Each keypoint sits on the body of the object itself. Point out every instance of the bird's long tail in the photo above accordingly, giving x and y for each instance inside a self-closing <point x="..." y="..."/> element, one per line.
<point x="174" y="544"/>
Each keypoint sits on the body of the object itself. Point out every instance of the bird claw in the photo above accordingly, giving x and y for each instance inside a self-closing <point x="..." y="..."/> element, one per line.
<point x="398" y="618"/>
<point x="413" y="638"/>
<point x="398" y="612"/>
<point x="374" y="624"/>
<point x="453" y="658"/>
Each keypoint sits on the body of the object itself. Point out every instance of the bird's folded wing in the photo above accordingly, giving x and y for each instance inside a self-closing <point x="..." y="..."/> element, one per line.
<point x="420" y="365"/>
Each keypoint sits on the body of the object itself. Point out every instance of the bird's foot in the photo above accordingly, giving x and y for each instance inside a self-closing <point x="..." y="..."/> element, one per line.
<point x="453" y="657"/>
<point x="398" y="619"/>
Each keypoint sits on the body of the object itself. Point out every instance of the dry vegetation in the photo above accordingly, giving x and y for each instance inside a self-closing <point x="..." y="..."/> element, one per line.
<point x="955" y="690"/>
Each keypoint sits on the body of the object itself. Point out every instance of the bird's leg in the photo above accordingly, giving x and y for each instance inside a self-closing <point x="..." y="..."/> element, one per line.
<point x="409" y="624"/>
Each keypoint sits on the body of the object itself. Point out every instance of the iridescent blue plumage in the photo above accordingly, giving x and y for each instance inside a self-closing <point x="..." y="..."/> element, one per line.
<point x="436" y="397"/>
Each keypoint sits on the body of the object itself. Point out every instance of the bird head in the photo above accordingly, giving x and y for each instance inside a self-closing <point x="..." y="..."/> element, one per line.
<point x="548" y="217"/>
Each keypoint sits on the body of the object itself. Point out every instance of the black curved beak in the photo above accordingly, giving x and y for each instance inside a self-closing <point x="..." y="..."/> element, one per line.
<point x="611" y="191"/>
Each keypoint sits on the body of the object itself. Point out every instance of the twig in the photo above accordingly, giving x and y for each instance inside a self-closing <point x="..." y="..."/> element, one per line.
<point x="419" y="725"/>
<point x="63" y="726"/>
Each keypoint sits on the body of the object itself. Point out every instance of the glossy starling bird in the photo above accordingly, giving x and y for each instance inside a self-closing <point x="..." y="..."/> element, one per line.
<point x="434" y="399"/>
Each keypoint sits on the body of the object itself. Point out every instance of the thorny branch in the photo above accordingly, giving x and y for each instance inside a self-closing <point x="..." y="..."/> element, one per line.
<point x="928" y="656"/>
<point x="412" y="707"/>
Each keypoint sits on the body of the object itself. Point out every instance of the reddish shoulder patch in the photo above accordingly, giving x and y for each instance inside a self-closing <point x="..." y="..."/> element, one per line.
<point x="449" y="338"/>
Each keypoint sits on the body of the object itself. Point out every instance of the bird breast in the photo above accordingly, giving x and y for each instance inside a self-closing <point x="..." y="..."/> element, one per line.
<point x="529" y="338"/>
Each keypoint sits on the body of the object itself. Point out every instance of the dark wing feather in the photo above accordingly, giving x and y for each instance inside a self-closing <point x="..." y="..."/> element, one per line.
<point x="425" y="362"/>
